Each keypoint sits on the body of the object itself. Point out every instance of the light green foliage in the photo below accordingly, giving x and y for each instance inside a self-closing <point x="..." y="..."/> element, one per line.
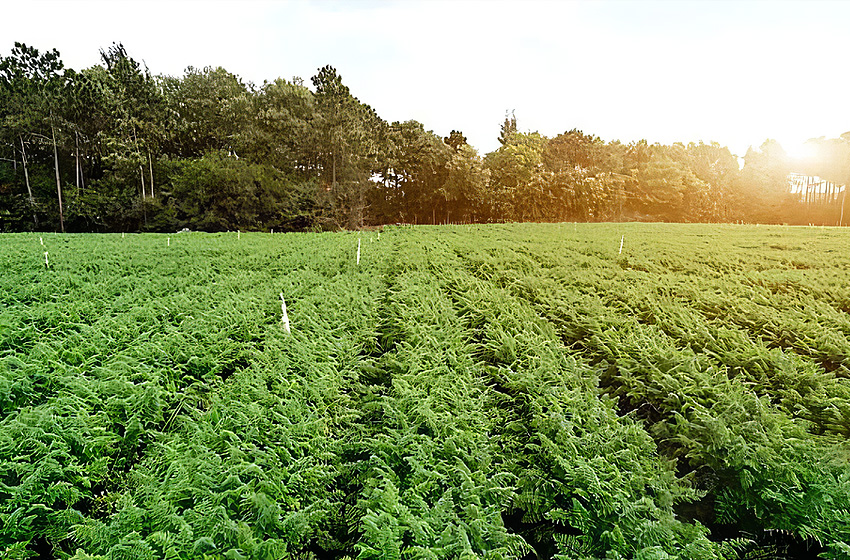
<point x="491" y="392"/>
<point x="512" y="169"/>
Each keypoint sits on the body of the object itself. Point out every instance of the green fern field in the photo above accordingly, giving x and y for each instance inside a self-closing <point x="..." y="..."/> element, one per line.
<point x="464" y="392"/>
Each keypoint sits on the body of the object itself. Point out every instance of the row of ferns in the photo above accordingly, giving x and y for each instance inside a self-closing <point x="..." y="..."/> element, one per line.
<point x="498" y="392"/>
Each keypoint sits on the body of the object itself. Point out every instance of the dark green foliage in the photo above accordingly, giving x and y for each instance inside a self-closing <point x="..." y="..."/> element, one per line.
<point x="114" y="147"/>
<point x="219" y="193"/>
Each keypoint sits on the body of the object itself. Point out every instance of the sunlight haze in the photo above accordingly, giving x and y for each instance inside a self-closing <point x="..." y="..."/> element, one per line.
<point x="732" y="72"/>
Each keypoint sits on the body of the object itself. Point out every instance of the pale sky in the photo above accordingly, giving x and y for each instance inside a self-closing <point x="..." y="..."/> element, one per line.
<point x="732" y="72"/>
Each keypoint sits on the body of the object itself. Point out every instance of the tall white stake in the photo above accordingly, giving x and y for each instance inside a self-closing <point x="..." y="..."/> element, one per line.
<point x="168" y="244"/>
<point x="621" y="244"/>
<point x="40" y="240"/>
<point x="46" y="262"/>
<point x="284" y="317"/>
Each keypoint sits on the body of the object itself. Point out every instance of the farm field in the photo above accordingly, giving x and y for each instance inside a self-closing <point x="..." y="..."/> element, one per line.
<point x="512" y="391"/>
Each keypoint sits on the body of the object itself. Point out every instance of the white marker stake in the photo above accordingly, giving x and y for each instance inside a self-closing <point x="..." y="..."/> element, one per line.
<point x="272" y="231"/>
<point x="46" y="262"/>
<point x="168" y="244"/>
<point x="122" y="235"/>
<point x="40" y="240"/>
<point x="621" y="244"/>
<point x="284" y="317"/>
<point x="358" y="252"/>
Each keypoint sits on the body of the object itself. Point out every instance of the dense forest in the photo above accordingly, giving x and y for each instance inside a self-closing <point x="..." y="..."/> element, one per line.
<point x="116" y="148"/>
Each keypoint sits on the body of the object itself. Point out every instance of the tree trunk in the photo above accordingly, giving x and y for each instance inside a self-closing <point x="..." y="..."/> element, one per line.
<point x="27" y="181"/>
<point x="142" y="177"/>
<point x="150" y="167"/>
<point x="77" y="160"/>
<point x="141" y="171"/>
<point x="58" y="182"/>
<point x="358" y="213"/>
<point x="333" y="173"/>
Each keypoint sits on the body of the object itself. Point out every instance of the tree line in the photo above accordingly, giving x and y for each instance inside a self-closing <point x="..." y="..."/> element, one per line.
<point x="115" y="148"/>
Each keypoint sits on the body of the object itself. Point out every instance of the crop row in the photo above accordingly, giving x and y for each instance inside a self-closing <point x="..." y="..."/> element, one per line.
<point x="511" y="391"/>
<point x="757" y="422"/>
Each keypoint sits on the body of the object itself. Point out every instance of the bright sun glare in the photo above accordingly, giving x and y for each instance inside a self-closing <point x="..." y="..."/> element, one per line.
<point x="800" y="150"/>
